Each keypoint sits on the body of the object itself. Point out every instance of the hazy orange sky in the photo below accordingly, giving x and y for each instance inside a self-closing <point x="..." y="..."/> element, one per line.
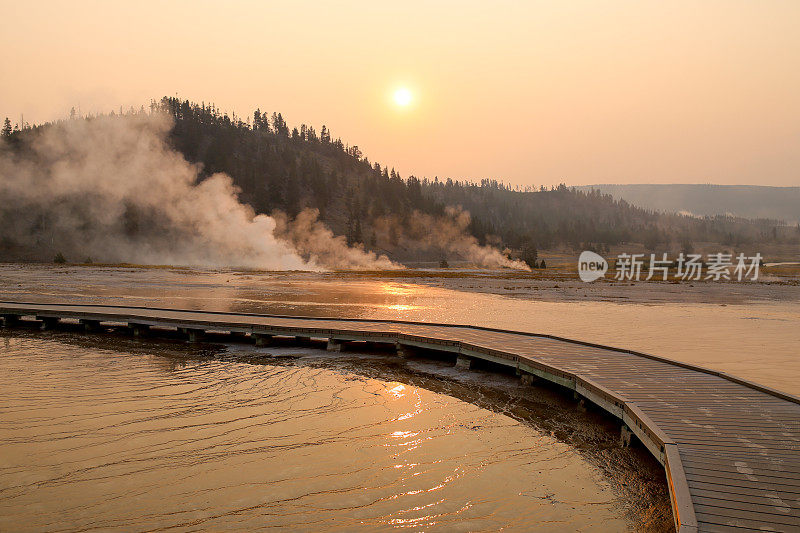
<point x="526" y="92"/>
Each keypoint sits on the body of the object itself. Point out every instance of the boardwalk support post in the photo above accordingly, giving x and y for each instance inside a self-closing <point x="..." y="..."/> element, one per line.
<point x="90" y="326"/>
<point x="195" y="335"/>
<point x="404" y="350"/>
<point x="48" y="322"/>
<point x="237" y="336"/>
<point x="139" y="330"/>
<point x="334" y="345"/>
<point x="462" y="361"/>
<point x="527" y="379"/>
<point x="580" y="399"/>
<point x="625" y="436"/>
<point x="10" y="320"/>
<point x="262" y="339"/>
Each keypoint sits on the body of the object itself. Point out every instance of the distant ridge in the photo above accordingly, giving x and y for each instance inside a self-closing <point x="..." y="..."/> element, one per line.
<point x="749" y="201"/>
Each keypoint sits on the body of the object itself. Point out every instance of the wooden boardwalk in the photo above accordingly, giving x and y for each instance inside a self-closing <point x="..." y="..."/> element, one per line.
<point x="731" y="449"/>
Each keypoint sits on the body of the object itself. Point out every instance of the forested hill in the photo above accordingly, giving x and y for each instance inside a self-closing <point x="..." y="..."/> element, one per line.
<point x="280" y="167"/>
<point x="750" y="201"/>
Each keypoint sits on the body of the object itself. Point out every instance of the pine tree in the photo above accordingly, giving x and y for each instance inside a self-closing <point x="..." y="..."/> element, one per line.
<point x="350" y="231"/>
<point x="292" y="189"/>
<point x="357" y="231"/>
<point x="530" y="254"/>
<point x="7" y="129"/>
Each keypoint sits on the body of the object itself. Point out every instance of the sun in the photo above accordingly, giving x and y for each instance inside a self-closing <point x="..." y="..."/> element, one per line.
<point x="402" y="97"/>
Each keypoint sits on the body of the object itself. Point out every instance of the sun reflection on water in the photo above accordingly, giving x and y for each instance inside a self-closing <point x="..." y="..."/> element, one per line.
<point x="404" y="434"/>
<point x="396" y="289"/>
<point x="402" y="307"/>
<point x="398" y="391"/>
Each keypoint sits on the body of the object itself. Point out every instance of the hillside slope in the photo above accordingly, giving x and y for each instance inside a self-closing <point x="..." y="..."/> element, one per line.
<point x="748" y="201"/>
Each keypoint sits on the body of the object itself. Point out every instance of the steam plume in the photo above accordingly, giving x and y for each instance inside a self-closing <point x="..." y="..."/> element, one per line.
<point x="111" y="189"/>
<point x="447" y="234"/>
<point x="316" y="243"/>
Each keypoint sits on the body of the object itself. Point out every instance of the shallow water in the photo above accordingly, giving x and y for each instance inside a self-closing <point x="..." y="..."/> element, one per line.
<point x="111" y="433"/>
<point x="748" y="330"/>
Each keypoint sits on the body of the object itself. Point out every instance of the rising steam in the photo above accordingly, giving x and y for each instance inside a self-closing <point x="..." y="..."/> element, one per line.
<point x="447" y="235"/>
<point x="315" y="242"/>
<point x="111" y="189"/>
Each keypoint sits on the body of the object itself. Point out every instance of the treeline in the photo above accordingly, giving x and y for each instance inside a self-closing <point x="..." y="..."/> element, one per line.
<point x="278" y="166"/>
<point x="592" y="220"/>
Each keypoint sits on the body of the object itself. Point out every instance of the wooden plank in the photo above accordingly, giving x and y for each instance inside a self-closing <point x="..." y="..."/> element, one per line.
<point x="735" y="492"/>
<point x="767" y="427"/>
<point x="763" y="506"/>
<point x="721" y="528"/>
<point x="773" y="499"/>
<point x="704" y="511"/>
<point x="738" y="455"/>
<point x="774" y="478"/>
<point x="742" y="482"/>
<point x="734" y="439"/>
<point x="724" y="464"/>
<point x="740" y="470"/>
<point x="733" y="434"/>
<point x="780" y="451"/>
<point x="687" y="403"/>
<point x="683" y="508"/>
<point x="730" y="424"/>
